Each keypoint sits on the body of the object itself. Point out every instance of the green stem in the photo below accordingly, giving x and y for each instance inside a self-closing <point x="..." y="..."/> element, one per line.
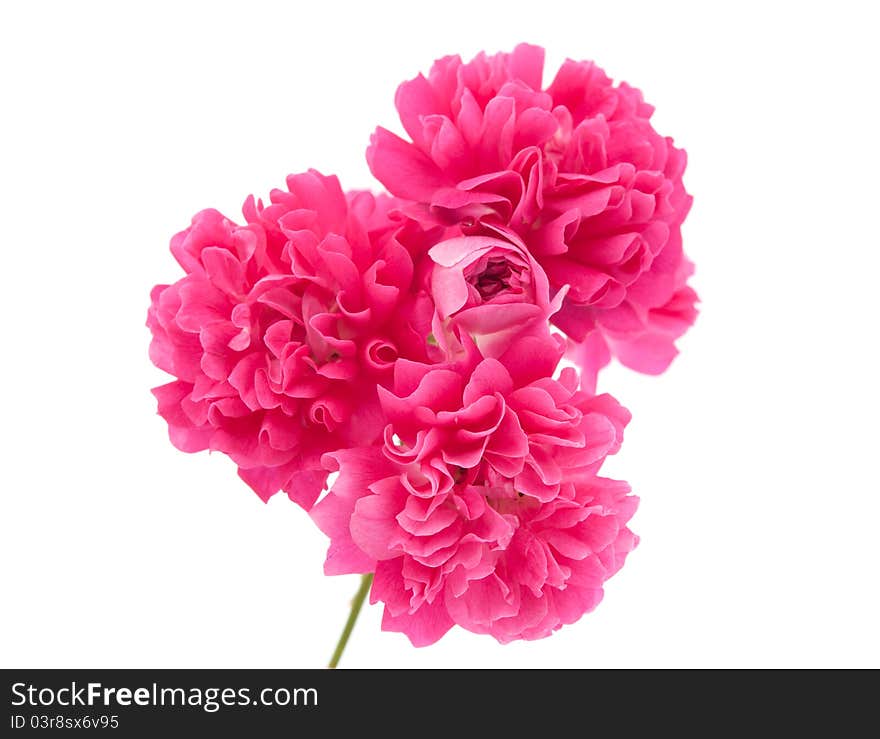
<point x="356" y="604"/>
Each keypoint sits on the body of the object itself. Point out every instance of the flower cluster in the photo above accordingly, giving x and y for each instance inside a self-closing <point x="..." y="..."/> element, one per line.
<point x="405" y="350"/>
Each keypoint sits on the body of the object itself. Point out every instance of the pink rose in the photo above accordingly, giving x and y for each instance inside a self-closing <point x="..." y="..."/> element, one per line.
<point x="490" y="288"/>
<point x="484" y="508"/>
<point x="280" y="332"/>
<point x="576" y="169"/>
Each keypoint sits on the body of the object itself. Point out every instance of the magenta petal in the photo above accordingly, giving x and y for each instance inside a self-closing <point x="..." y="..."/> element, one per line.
<point x="333" y="516"/>
<point x="451" y="252"/>
<point x="450" y="291"/>
<point x="266" y="481"/>
<point x="484" y="602"/>
<point x="488" y="378"/>
<point x="574" y="602"/>
<point x="358" y="469"/>
<point x="527" y="65"/>
<point x="415" y="99"/>
<point x="402" y="168"/>
<point x="224" y="270"/>
<point x="374" y="526"/>
<point x="648" y="353"/>
<point x="590" y="355"/>
<point x="304" y="486"/>
<point x="491" y="318"/>
<point x="532" y="356"/>
<point x="184" y="435"/>
<point x="423" y="627"/>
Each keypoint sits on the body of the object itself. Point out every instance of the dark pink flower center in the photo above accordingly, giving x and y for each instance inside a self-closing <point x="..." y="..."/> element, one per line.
<point x="496" y="277"/>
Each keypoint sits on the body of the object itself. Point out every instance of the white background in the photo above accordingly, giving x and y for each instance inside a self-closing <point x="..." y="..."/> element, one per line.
<point x="755" y="455"/>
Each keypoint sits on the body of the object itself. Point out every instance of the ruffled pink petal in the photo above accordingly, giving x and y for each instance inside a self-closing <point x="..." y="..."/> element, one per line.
<point x="424" y="627"/>
<point x="403" y="169"/>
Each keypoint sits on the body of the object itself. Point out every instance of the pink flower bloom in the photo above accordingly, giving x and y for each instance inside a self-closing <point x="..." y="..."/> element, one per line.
<point x="490" y="288"/>
<point x="483" y="508"/>
<point x="280" y="332"/>
<point x="576" y="170"/>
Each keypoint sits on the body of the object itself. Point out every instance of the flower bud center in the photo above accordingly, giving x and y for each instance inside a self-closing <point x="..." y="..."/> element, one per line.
<point x="494" y="278"/>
